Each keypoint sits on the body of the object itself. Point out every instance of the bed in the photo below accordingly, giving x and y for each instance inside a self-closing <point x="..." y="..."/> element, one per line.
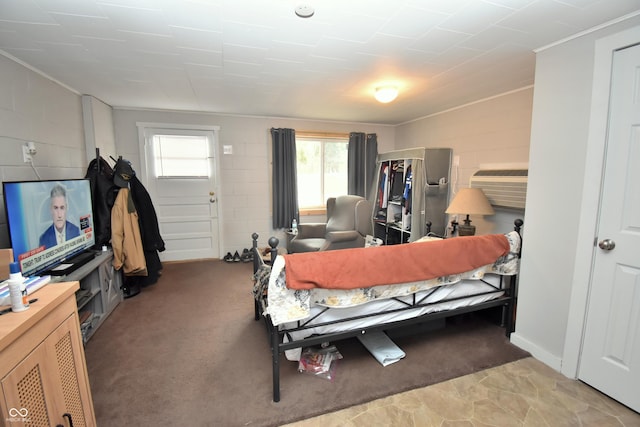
<point x="318" y="298"/>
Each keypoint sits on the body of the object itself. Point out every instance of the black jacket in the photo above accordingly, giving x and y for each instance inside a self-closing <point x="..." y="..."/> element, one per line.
<point x="103" y="195"/>
<point x="148" y="220"/>
<point x="152" y="242"/>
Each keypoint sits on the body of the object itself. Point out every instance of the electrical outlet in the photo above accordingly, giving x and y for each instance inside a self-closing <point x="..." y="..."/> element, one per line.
<point x="26" y="154"/>
<point x="456" y="161"/>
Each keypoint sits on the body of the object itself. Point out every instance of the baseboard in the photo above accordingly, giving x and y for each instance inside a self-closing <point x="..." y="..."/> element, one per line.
<point x="539" y="353"/>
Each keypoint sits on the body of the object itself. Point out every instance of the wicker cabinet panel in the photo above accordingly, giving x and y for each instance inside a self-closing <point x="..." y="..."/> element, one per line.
<point x="46" y="384"/>
<point x="43" y="374"/>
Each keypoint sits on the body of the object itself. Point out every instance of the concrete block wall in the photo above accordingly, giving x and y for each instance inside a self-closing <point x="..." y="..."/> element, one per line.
<point x="36" y="109"/>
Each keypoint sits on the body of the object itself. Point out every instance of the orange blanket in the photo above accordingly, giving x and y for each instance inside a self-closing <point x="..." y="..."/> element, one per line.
<point x="385" y="265"/>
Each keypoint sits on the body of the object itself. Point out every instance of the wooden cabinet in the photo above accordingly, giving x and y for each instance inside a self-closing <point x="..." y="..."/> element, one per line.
<point x="43" y="372"/>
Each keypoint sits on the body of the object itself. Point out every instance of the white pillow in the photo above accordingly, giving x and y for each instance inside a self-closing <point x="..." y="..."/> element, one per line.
<point x="427" y="239"/>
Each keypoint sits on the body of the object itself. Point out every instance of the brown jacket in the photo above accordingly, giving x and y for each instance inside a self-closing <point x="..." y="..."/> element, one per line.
<point x="125" y="236"/>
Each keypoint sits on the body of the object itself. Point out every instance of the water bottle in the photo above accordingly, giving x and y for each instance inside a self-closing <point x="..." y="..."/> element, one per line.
<point x="294" y="226"/>
<point x="17" y="289"/>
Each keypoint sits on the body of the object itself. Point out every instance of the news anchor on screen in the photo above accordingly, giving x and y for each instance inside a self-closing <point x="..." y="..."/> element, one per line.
<point x="61" y="230"/>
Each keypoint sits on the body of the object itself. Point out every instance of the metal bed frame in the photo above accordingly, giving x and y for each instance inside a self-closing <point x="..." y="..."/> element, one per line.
<point x="507" y="286"/>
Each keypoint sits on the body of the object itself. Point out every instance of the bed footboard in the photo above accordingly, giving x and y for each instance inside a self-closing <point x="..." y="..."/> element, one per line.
<point x="260" y="305"/>
<point x="258" y="264"/>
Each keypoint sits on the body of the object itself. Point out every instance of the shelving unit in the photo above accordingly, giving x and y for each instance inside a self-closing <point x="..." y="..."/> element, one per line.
<point x="412" y="189"/>
<point x="392" y="214"/>
<point x="100" y="291"/>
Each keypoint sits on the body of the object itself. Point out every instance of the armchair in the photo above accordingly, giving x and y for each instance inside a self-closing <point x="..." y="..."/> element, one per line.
<point x="348" y="222"/>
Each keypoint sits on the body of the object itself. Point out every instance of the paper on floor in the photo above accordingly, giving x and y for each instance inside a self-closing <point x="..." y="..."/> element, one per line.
<point x="381" y="347"/>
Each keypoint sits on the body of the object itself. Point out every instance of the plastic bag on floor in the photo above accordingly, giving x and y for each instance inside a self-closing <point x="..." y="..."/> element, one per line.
<point x="320" y="362"/>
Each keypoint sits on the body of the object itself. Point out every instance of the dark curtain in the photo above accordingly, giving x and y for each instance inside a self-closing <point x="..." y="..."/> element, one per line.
<point x="363" y="150"/>
<point x="285" y="185"/>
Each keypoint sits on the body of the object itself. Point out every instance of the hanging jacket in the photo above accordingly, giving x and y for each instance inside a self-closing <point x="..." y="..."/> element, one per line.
<point x="128" y="252"/>
<point x="152" y="241"/>
<point x="103" y="195"/>
<point x="149" y="229"/>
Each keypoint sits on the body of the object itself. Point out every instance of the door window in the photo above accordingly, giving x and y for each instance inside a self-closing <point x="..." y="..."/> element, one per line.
<point x="178" y="156"/>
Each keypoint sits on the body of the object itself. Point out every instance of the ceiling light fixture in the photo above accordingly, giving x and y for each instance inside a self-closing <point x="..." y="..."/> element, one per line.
<point x="386" y="94"/>
<point x="304" y="11"/>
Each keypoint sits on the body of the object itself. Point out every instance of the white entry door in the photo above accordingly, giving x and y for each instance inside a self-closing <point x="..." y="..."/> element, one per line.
<point x="610" y="359"/>
<point x="181" y="171"/>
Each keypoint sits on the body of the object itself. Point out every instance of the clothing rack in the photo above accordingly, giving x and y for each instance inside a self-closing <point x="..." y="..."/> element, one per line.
<point x="98" y="159"/>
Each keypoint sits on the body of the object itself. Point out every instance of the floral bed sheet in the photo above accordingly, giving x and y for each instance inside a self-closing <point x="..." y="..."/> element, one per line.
<point x="285" y="305"/>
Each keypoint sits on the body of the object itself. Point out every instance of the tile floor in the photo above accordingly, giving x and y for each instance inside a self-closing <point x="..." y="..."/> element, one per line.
<point x="523" y="393"/>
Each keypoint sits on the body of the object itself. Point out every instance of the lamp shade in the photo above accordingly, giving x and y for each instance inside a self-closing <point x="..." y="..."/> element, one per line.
<point x="470" y="201"/>
<point x="386" y="94"/>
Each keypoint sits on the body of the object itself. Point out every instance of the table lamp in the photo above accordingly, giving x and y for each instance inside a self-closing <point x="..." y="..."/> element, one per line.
<point x="469" y="201"/>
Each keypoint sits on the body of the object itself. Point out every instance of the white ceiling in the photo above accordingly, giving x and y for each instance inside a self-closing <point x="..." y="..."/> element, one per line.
<point x="256" y="57"/>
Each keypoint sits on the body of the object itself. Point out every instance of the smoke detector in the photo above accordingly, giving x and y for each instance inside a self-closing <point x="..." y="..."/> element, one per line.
<point x="304" y="11"/>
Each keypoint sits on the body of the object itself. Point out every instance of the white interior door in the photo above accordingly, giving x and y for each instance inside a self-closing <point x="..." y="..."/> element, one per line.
<point x="185" y="193"/>
<point x="610" y="359"/>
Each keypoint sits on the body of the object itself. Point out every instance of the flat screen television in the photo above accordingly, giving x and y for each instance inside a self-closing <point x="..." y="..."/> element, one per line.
<point x="36" y="210"/>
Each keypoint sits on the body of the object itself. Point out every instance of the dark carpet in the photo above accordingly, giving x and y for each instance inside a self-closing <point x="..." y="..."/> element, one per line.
<point x="186" y="351"/>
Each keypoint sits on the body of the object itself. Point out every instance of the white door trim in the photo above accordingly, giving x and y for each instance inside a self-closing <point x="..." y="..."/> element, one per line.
<point x="587" y="223"/>
<point x="144" y="161"/>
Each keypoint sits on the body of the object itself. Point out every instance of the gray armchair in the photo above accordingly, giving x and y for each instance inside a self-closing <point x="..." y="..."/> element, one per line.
<point x="348" y="222"/>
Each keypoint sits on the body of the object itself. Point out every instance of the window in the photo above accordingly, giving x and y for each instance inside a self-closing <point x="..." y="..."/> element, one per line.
<point x="322" y="169"/>
<point x="181" y="156"/>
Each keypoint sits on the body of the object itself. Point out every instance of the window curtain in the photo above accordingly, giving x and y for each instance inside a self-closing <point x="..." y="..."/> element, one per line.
<point x="361" y="168"/>
<point x="284" y="172"/>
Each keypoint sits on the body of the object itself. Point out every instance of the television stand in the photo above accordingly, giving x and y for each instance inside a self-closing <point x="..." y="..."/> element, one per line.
<point x="100" y="290"/>
<point x="72" y="264"/>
